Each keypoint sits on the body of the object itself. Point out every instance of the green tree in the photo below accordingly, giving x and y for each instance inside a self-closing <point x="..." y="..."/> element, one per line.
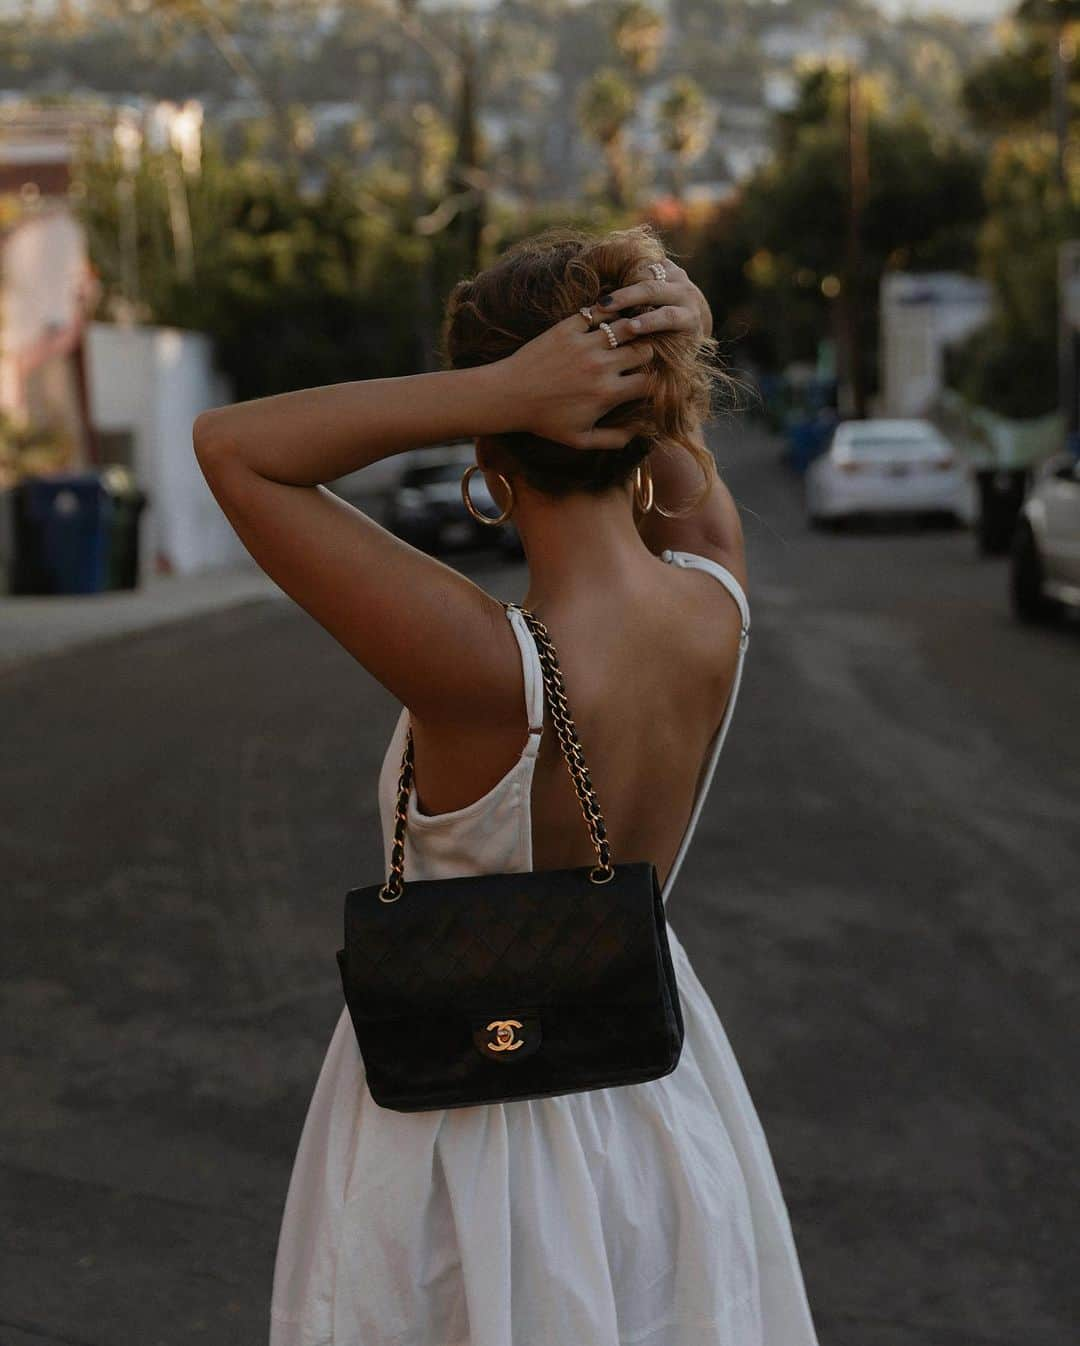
<point x="1031" y="84"/>
<point x="606" y="105"/>
<point x="1011" y="364"/>
<point x="639" y="33"/>
<point x="295" y="287"/>
<point x="684" y="126"/>
<point x="1010" y="90"/>
<point x="924" y="205"/>
<point x="1023" y="96"/>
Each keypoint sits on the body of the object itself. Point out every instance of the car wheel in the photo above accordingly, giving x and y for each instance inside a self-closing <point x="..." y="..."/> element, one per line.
<point x="1026" y="579"/>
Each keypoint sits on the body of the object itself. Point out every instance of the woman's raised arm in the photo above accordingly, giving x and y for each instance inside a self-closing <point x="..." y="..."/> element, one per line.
<point x="420" y="627"/>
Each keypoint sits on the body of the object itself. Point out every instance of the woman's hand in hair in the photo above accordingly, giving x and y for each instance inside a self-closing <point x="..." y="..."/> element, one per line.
<point x="674" y="304"/>
<point x="560" y="384"/>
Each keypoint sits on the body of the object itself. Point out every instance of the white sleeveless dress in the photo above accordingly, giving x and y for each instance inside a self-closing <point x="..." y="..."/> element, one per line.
<point x="644" y="1215"/>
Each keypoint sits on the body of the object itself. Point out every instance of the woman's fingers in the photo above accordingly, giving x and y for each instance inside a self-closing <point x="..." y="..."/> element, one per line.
<point x="666" y="318"/>
<point x="632" y="355"/>
<point x="632" y="386"/>
<point x="570" y="376"/>
<point x="646" y="291"/>
<point x="651" y="291"/>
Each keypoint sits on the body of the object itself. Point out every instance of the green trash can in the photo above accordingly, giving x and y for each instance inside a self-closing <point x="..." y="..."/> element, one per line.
<point x="128" y="503"/>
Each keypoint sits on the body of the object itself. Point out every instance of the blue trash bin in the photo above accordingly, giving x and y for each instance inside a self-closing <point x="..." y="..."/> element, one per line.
<point x="62" y="530"/>
<point x="806" y="439"/>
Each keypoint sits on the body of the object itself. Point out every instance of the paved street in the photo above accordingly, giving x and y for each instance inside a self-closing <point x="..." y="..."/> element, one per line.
<point x="881" y="901"/>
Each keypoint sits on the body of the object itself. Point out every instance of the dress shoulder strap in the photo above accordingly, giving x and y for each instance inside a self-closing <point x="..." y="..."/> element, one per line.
<point x="534" y="679"/>
<point x="692" y="561"/>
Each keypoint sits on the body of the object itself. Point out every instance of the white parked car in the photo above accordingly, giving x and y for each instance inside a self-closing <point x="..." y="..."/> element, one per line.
<point x="1045" y="567"/>
<point x="886" y="466"/>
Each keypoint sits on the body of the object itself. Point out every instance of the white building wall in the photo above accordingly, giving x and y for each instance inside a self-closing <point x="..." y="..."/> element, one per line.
<point x="153" y="382"/>
<point x="922" y="314"/>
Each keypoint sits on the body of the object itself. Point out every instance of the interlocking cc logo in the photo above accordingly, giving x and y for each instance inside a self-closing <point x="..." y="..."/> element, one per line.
<point x="504" y="1040"/>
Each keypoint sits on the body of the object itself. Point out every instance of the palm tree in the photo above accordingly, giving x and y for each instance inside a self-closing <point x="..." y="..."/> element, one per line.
<point x="605" y="106"/>
<point x="639" y="33"/>
<point x="684" y="126"/>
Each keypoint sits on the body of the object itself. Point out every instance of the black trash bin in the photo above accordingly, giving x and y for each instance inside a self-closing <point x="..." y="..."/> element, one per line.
<point x="1001" y="493"/>
<point x="61" y="535"/>
<point x="128" y="503"/>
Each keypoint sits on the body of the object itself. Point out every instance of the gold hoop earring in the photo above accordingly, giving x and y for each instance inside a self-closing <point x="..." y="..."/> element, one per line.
<point x="477" y="515"/>
<point x="643" y="487"/>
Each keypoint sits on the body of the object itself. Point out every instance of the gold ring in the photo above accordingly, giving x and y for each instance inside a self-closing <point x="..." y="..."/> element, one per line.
<point x="586" y="313"/>
<point x="613" y="340"/>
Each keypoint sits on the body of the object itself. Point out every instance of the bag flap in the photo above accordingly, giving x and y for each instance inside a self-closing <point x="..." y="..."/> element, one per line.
<point x="541" y="937"/>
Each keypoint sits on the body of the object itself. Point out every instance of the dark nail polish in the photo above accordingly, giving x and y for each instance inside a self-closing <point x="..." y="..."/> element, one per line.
<point x="605" y="300"/>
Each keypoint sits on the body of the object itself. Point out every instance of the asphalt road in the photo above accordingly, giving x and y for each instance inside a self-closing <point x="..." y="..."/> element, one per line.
<point x="881" y="900"/>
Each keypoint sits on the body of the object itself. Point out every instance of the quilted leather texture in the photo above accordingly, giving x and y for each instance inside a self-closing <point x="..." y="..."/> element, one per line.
<point x="552" y="932"/>
<point x="589" y="965"/>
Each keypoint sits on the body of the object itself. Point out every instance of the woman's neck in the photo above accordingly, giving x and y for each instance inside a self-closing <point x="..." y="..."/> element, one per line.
<point x="578" y="541"/>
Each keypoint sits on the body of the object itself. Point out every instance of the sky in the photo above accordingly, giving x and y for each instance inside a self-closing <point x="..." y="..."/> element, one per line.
<point x="960" y="9"/>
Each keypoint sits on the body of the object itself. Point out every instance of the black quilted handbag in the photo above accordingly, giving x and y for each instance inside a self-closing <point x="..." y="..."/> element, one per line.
<point x="488" y="988"/>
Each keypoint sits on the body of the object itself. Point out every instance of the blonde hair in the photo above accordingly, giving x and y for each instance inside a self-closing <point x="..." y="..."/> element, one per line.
<point x="539" y="282"/>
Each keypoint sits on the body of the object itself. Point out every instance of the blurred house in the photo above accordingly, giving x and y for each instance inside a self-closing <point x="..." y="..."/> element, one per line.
<point x="97" y="393"/>
<point x="46" y="288"/>
<point x="922" y="314"/>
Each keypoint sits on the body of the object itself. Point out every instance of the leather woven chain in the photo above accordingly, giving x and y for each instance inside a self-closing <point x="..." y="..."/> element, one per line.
<point x="603" y="871"/>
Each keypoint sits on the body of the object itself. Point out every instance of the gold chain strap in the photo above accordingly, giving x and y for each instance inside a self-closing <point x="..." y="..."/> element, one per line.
<point x="603" y="871"/>
<point x="392" y="888"/>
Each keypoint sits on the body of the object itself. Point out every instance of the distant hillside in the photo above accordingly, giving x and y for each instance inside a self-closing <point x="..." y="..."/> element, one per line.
<point x="353" y="77"/>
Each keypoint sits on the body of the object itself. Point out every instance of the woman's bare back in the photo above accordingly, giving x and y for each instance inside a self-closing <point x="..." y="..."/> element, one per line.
<point x="648" y="673"/>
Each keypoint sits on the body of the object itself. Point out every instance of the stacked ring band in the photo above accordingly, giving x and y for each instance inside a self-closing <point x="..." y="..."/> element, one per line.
<point x="613" y="340"/>
<point x="659" y="270"/>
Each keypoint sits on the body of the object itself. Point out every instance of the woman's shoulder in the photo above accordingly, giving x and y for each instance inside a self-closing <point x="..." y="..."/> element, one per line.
<point x="728" y="570"/>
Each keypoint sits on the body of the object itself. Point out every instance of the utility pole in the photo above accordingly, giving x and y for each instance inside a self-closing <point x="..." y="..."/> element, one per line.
<point x="467" y="175"/>
<point x="1069" y="251"/>
<point x="857" y="184"/>
<point x="1060" y="59"/>
<point x="128" y="139"/>
<point x="1068" y="332"/>
<point x="423" y="298"/>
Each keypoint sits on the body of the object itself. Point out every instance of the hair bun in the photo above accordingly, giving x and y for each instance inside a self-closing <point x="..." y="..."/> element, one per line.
<point x="539" y="282"/>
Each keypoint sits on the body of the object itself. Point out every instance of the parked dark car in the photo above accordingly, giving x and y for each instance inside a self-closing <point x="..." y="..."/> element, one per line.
<point x="426" y="509"/>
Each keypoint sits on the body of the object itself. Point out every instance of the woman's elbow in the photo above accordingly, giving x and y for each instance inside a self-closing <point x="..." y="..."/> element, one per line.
<point x="211" y="439"/>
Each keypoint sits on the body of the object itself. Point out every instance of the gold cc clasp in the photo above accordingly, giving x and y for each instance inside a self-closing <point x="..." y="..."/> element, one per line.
<point x="505" y="1039"/>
